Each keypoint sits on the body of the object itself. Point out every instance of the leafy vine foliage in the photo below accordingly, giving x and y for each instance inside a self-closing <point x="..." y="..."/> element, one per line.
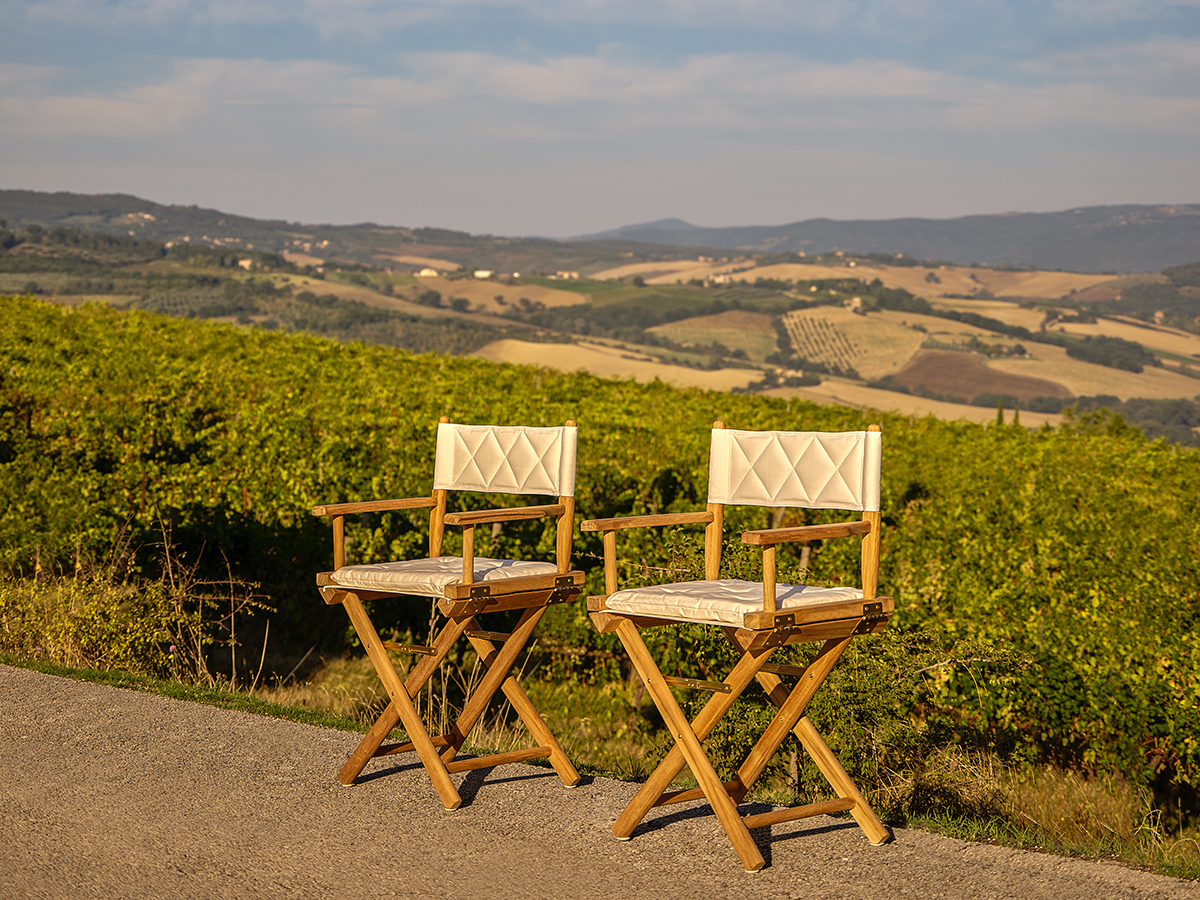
<point x="1045" y="581"/>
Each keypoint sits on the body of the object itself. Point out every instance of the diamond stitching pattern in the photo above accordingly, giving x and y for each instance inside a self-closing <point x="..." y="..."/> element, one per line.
<point x="796" y="469"/>
<point x="506" y="460"/>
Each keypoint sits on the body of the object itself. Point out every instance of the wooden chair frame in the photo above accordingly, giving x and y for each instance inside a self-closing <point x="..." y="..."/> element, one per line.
<point x="761" y="633"/>
<point x="461" y="603"/>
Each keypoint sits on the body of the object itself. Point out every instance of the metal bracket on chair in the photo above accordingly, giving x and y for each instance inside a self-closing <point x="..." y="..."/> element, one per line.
<point x="565" y="590"/>
<point x="408" y="648"/>
<point x="719" y="687"/>
<point x="480" y="590"/>
<point x="785" y="622"/>
<point x="872" y="615"/>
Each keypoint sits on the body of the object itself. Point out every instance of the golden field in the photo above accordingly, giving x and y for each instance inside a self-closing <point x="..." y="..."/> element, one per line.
<point x="613" y="362"/>
<point x="482" y="294"/>
<point x="736" y="329"/>
<point x="1084" y="379"/>
<point x="871" y="345"/>
<point x="838" y="392"/>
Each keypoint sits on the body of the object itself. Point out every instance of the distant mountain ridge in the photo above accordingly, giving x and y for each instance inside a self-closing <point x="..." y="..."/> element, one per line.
<point x="1132" y="238"/>
<point x="1119" y="239"/>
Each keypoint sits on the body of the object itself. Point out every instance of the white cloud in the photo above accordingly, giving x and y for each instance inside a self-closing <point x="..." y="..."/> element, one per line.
<point x="371" y="17"/>
<point x="576" y="142"/>
<point x="756" y="96"/>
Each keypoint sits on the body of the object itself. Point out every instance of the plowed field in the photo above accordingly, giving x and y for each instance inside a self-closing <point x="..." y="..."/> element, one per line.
<point x="967" y="375"/>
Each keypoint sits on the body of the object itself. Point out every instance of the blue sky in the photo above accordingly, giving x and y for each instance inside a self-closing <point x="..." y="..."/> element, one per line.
<point x="558" y="118"/>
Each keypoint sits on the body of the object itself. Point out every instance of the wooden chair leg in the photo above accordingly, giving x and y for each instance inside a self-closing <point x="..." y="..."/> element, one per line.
<point x="368" y="749"/>
<point x="876" y="832"/>
<point x="495" y="676"/>
<point x="529" y="715"/>
<point x="422" y="743"/>
<point x="791" y="706"/>
<point x="652" y="792"/>
<point x="693" y="751"/>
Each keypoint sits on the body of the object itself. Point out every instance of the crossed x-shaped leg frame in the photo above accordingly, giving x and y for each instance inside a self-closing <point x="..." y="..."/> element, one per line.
<point x="438" y="754"/>
<point x="756" y="649"/>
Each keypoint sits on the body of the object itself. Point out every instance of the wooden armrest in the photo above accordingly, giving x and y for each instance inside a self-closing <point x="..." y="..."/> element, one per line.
<point x="770" y="536"/>
<point x="646" y="521"/>
<point x="511" y="514"/>
<point x="342" y="509"/>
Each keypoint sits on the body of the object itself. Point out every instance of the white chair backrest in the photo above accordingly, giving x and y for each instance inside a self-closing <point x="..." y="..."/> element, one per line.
<point x="816" y="470"/>
<point x="506" y="459"/>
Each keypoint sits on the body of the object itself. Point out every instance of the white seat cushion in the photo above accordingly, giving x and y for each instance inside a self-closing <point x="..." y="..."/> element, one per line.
<point x="429" y="577"/>
<point x="723" y="602"/>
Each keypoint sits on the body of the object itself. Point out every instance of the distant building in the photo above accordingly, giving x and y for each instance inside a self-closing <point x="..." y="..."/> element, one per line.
<point x="428" y="273"/>
<point x="246" y="264"/>
<point x="484" y="274"/>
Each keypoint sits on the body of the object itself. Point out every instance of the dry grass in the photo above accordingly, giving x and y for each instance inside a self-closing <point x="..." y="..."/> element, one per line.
<point x="975" y="796"/>
<point x="613" y="362"/>
<point x="302" y="259"/>
<point x="1084" y="379"/>
<point x="345" y="687"/>
<point x="751" y="332"/>
<point x="872" y="346"/>
<point x="945" y="330"/>
<point x="837" y="392"/>
<point x="481" y="294"/>
<point x="446" y="265"/>
<point x="1171" y="340"/>
<point x="1000" y="310"/>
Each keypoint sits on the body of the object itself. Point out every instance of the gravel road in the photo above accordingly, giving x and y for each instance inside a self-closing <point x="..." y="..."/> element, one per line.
<point x="108" y="793"/>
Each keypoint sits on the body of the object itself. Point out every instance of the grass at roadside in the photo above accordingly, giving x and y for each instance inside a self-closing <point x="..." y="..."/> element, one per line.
<point x="971" y="798"/>
<point x="194" y="693"/>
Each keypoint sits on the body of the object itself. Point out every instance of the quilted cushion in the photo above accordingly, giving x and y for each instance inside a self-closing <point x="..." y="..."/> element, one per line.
<point x="429" y="577"/>
<point x="506" y="459"/>
<point x="723" y="602"/>
<point x="816" y="470"/>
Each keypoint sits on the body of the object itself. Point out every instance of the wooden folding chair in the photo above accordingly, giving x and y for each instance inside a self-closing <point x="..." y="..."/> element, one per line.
<point x="773" y="469"/>
<point x="489" y="458"/>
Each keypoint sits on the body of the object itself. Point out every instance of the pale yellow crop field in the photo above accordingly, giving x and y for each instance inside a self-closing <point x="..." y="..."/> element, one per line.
<point x="1171" y="340"/>
<point x="613" y="362"/>
<point x="945" y="330"/>
<point x="736" y="329"/>
<point x="832" y="392"/>
<point x="959" y="280"/>
<point x="1000" y="310"/>
<point x="871" y="345"/>
<point x="302" y="259"/>
<point x="951" y="280"/>
<point x="655" y="272"/>
<point x="343" y="291"/>
<point x="1084" y="379"/>
<point x="800" y="272"/>
<point x="482" y="294"/>
<point x="432" y="262"/>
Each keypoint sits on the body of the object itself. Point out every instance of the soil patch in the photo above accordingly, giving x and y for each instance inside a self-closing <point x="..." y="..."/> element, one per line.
<point x="967" y="375"/>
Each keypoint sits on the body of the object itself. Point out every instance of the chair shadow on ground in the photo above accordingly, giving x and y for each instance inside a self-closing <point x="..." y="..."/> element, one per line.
<point x="472" y="781"/>
<point x="764" y="838"/>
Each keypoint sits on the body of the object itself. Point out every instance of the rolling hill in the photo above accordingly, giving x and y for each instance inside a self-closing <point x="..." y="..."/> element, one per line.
<point x="1089" y="239"/>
